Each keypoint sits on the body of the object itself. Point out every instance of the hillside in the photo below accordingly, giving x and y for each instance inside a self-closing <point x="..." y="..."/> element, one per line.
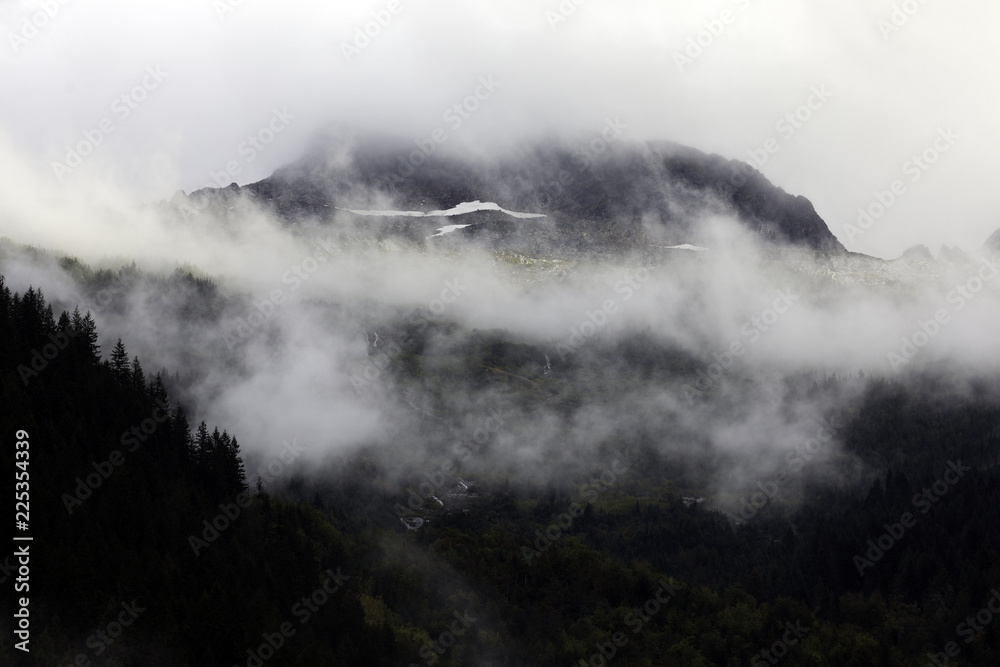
<point x="597" y="196"/>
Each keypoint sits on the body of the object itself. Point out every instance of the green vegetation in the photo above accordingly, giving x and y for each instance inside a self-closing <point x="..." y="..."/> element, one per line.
<point x="460" y="590"/>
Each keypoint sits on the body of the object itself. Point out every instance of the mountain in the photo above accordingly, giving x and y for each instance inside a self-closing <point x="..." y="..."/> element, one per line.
<point x="993" y="242"/>
<point x="917" y="253"/>
<point x="556" y="460"/>
<point x="612" y="195"/>
<point x="378" y="557"/>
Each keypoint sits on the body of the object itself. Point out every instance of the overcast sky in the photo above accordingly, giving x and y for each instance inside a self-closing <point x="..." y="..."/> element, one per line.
<point x="200" y="76"/>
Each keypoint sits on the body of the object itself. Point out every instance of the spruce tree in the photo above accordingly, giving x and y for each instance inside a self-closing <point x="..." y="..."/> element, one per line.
<point x="157" y="392"/>
<point x="237" y="471"/>
<point x="86" y="336"/>
<point x="138" y="378"/>
<point x="119" y="363"/>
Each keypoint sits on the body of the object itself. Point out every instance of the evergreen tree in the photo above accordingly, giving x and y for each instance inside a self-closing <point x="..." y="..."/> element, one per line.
<point x="157" y="392"/>
<point x="203" y="447"/>
<point x="137" y="377"/>
<point x="182" y="430"/>
<point x="238" y="473"/>
<point x="119" y="363"/>
<point x="86" y="336"/>
<point x="34" y="316"/>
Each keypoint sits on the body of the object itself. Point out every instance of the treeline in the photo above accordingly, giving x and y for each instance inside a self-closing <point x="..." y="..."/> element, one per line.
<point x="121" y="484"/>
<point x="885" y="573"/>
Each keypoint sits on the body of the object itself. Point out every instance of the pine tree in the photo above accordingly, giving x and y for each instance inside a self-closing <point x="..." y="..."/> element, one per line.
<point x="182" y="428"/>
<point x="7" y="330"/>
<point x="64" y="324"/>
<point x="34" y="317"/>
<point x="238" y="473"/>
<point x="225" y="469"/>
<point x="158" y="393"/>
<point x="86" y="336"/>
<point x="203" y="447"/>
<point x="5" y="296"/>
<point x="119" y="363"/>
<point x="138" y="378"/>
<point x="220" y="450"/>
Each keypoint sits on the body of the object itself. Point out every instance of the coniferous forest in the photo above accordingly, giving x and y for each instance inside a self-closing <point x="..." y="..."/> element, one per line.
<point x="506" y="333"/>
<point x="142" y="517"/>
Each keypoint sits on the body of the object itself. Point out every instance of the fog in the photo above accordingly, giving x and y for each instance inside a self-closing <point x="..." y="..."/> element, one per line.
<point x="403" y="368"/>
<point x="250" y="87"/>
<point x="306" y="338"/>
<point x="199" y="79"/>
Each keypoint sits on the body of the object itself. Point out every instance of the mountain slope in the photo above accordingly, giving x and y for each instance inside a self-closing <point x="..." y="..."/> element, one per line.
<point x="622" y="197"/>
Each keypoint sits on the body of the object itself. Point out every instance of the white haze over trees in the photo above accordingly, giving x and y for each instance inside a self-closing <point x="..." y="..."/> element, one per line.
<point x="308" y="316"/>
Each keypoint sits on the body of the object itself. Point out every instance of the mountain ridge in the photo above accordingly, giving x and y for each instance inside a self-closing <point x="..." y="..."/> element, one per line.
<point x="625" y="196"/>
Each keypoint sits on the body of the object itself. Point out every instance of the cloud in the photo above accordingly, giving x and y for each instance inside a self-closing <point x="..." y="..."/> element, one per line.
<point x="230" y="72"/>
<point x="696" y="358"/>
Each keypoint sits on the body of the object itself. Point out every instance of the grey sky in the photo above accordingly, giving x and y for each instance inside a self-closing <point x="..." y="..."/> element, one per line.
<point x="228" y="72"/>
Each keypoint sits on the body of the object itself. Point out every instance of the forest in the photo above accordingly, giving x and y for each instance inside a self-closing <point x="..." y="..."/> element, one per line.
<point x="137" y="508"/>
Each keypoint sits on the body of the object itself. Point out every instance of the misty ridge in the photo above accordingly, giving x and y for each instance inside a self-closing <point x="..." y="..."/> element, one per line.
<point x="670" y="304"/>
<point x="398" y="334"/>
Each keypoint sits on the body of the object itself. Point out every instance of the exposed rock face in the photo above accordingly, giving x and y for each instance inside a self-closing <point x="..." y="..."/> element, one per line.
<point x="624" y="197"/>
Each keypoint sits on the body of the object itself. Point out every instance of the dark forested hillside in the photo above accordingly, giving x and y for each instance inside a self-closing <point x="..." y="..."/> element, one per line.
<point x="120" y="491"/>
<point x="135" y="506"/>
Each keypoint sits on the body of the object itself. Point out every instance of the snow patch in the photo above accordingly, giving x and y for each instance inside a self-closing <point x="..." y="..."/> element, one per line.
<point x="447" y="229"/>
<point x="461" y="209"/>
<point x="683" y="246"/>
